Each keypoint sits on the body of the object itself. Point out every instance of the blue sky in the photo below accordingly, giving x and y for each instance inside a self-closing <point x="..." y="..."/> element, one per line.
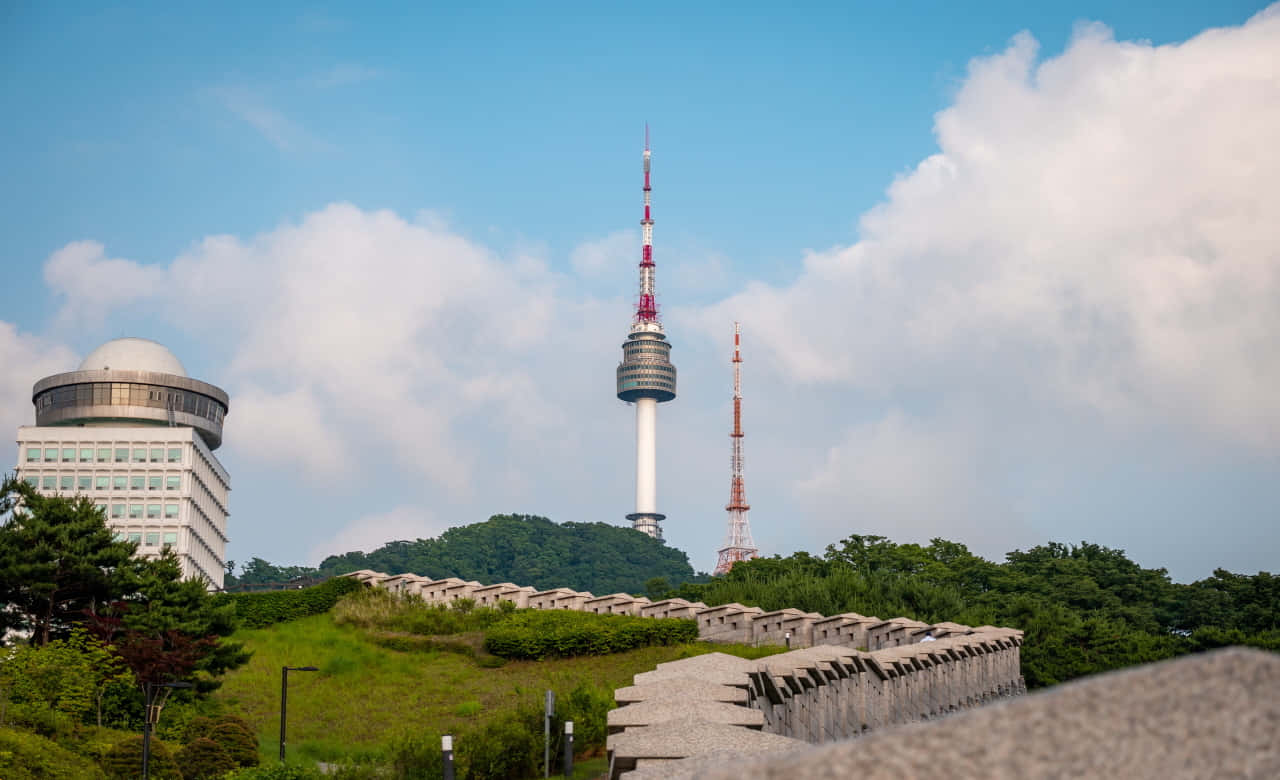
<point x="926" y="357"/>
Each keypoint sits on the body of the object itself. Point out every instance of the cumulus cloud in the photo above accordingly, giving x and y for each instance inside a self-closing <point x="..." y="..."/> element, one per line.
<point x="355" y="332"/>
<point x="1094" y="243"/>
<point x="25" y="359"/>
<point x="372" y="531"/>
<point x="95" y="283"/>
<point x="615" y="251"/>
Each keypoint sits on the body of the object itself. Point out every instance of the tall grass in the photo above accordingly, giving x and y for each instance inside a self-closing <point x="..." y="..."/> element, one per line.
<point x="365" y="695"/>
<point x="382" y="610"/>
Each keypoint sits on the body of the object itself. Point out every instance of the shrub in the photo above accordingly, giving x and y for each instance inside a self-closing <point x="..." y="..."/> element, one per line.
<point x="259" y="610"/>
<point x="197" y="727"/>
<point x="588" y="707"/>
<point x="537" y="634"/>
<point x="239" y="743"/>
<point x="504" y="749"/>
<point x="276" y="772"/>
<point x="234" y="720"/>
<point x="204" y="759"/>
<point x="40" y="718"/>
<point x="417" y="756"/>
<point x="124" y="761"/>
<point x="25" y="756"/>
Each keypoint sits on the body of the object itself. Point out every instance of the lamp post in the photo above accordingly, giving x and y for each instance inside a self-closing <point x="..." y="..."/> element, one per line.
<point x="151" y="715"/>
<point x="284" y="697"/>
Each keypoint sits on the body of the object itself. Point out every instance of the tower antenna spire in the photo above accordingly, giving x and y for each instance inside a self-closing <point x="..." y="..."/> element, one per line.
<point x="738" y="545"/>
<point x="645" y="375"/>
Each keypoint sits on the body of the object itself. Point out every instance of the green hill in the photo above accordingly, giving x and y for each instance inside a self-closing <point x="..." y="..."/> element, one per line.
<point x="529" y="550"/>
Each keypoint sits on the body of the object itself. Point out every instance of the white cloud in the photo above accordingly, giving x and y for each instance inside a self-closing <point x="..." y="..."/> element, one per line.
<point x="357" y="332"/>
<point x="911" y="480"/>
<point x="96" y="284"/>
<point x="1092" y="253"/>
<point x="373" y="531"/>
<point x="1096" y="232"/>
<point x="620" y="249"/>
<point x="270" y="122"/>
<point x="25" y="359"/>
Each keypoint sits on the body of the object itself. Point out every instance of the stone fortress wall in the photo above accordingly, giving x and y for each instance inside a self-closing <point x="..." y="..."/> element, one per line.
<point x="845" y="676"/>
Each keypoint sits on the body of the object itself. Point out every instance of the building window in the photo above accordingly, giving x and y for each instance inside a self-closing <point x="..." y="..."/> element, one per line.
<point x="121" y="536"/>
<point x="51" y="455"/>
<point x="67" y="482"/>
<point x="84" y="483"/>
<point x="135" y="511"/>
<point x="139" y="456"/>
<point x="33" y="454"/>
<point x="157" y="454"/>
<point x="153" y="539"/>
<point x="135" y="537"/>
<point x="120" y="483"/>
<point x="170" y="538"/>
<point x="101" y="508"/>
<point x="49" y="482"/>
<point x="171" y="511"/>
<point x="68" y="454"/>
<point x="172" y="483"/>
<point x="102" y="483"/>
<point x="175" y="454"/>
<point x="104" y="454"/>
<point x="153" y="483"/>
<point x="153" y="510"/>
<point x="122" y="455"/>
<point x="32" y="481"/>
<point x="117" y="510"/>
<point x="137" y="483"/>
<point x="86" y="455"/>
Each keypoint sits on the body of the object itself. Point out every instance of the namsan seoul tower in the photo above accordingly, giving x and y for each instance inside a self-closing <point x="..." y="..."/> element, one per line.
<point x="738" y="545"/>
<point x="646" y="376"/>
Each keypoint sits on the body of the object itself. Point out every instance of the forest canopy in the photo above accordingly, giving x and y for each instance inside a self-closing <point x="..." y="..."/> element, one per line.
<point x="524" y="549"/>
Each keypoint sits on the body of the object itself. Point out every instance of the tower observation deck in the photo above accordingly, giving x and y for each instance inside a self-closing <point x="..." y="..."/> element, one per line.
<point x="646" y="377"/>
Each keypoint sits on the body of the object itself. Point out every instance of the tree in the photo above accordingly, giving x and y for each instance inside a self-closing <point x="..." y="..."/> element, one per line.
<point x="57" y="559"/>
<point x="168" y="629"/>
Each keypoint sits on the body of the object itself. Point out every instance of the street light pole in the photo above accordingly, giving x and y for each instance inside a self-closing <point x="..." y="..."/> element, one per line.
<point x="150" y="716"/>
<point x="284" y="697"/>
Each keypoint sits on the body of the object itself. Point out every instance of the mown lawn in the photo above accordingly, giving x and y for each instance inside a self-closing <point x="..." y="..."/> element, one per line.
<point x="365" y="694"/>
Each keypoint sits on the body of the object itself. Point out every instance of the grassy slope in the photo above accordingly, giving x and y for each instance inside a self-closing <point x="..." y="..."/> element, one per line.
<point x="366" y="694"/>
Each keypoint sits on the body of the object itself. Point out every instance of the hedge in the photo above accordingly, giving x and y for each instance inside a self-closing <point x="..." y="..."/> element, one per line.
<point x="25" y="756"/>
<point x="259" y="610"/>
<point x="540" y="634"/>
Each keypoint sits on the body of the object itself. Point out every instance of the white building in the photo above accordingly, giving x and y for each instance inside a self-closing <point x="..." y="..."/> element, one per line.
<point x="133" y="433"/>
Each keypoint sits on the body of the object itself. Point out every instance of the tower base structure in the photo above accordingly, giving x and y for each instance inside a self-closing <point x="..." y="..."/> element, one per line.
<point x="647" y="523"/>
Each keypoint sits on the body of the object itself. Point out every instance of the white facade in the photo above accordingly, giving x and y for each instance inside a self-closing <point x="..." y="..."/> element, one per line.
<point x="159" y="486"/>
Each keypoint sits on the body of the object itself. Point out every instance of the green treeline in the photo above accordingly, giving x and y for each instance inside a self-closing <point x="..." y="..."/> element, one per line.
<point x="523" y="549"/>
<point x="1085" y="608"/>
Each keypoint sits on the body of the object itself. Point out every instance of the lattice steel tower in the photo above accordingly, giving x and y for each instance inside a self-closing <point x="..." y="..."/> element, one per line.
<point x="738" y="545"/>
<point x="645" y="375"/>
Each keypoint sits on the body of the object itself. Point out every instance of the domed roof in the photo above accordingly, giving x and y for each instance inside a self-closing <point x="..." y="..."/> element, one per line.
<point x="133" y="354"/>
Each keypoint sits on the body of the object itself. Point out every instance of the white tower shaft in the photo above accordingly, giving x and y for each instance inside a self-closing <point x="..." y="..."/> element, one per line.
<point x="646" y="456"/>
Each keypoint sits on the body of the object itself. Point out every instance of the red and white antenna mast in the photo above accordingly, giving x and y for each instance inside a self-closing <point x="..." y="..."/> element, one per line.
<point x="647" y="304"/>
<point x="738" y="545"/>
